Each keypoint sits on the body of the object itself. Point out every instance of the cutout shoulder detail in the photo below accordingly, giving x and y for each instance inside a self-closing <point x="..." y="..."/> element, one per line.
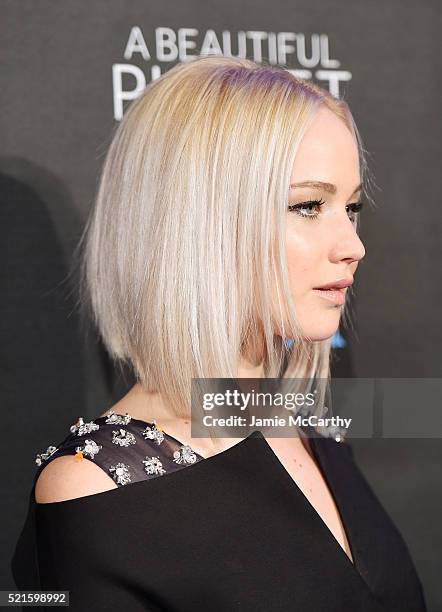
<point x="127" y="450"/>
<point x="66" y="478"/>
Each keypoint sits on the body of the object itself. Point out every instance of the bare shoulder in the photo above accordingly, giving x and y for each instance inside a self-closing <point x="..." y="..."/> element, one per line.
<point x="66" y="478"/>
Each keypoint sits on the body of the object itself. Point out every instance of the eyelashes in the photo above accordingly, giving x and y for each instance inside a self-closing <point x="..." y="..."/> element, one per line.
<point x="302" y="209"/>
<point x="307" y="207"/>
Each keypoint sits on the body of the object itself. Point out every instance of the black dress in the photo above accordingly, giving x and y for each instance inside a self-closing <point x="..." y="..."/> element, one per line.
<point x="232" y="532"/>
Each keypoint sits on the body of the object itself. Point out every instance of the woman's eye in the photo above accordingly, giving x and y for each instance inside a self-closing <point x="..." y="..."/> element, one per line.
<point x="355" y="209"/>
<point x="310" y="209"/>
<point x="306" y="208"/>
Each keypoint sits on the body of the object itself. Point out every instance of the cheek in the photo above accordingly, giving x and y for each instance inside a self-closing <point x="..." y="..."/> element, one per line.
<point x="303" y="257"/>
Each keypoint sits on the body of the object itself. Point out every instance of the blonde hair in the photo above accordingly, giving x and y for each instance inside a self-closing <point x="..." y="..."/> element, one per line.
<point x="187" y="235"/>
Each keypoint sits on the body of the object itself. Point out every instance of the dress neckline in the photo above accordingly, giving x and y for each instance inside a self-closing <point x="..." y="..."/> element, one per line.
<point x="355" y="565"/>
<point x="256" y="433"/>
<point x="313" y="435"/>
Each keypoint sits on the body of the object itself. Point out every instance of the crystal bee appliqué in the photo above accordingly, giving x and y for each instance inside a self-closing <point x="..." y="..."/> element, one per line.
<point x="118" y="419"/>
<point x="184" y="455"/>
<point x="153" y="433"/>
<point x="122" y="437"/>
<point x="80" y="427"/>
<point x="90" y="448"/>
<point x="44" y="456"/>
<point x="153" y="465"/>
<point x="120" y="473"/>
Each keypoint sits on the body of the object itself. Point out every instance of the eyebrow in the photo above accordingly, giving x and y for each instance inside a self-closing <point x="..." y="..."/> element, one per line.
<point x="329" y="187"/>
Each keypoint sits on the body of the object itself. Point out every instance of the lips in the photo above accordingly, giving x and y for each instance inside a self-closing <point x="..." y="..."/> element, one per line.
<point x="339" y="284"/>
<point x="336" y="296"/>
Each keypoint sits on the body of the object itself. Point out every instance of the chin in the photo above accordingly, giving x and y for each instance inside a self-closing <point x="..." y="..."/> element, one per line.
<point x="316" y="332"/>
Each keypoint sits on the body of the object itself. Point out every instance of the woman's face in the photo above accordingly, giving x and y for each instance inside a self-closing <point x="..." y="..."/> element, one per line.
<point x="323" y="246"/>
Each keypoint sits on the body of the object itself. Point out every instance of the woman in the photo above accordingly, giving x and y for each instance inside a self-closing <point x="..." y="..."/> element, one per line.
<point x="229" y="199"/>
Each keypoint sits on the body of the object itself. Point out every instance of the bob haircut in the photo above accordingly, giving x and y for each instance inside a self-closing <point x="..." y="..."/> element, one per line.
<point x="185" y="243"/>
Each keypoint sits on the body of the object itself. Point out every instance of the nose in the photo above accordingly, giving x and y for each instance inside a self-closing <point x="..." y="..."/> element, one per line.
<point x="346" y="246"/>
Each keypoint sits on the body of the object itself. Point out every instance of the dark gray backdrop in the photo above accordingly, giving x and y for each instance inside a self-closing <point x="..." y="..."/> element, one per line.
<point x="59" y="101"/>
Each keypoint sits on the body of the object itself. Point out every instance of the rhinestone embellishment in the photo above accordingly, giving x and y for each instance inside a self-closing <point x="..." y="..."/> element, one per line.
<point x="184" y="455"/>
<point x="120" y="473"/>
<point x="122" y="437"/>
<point x="153" y="465"/>
<point x="118" y="419"/>
<point x="80" y="427"/>
<point x="153" y="433"/>
<point x="40" y="457"/>
<point x="90" y="448"/>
